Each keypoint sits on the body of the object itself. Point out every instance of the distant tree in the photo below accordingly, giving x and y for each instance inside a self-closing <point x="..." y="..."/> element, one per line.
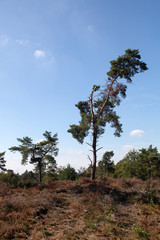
<point x="41" y="154"/>
<point x="106" y="166"/>
<point x="10" y="178"/>
<point x="27" y="179"/>
<point x="81" y="172"/>
<point x="143" y="164"/>
<point x="51" y="173"/>
<point x="2" y="162"/>
<point x="100" y="109"/>
<point x="127" y="167"/>
<point x="67" y="173"/>
<point x="148" y="163"/>
<point x="84" y="172"/>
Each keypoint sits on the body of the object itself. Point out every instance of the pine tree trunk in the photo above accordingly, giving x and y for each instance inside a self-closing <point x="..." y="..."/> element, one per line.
<point x="40" y="172"/>
<point x="93" y="169"/>
<point x="94" y="147"/>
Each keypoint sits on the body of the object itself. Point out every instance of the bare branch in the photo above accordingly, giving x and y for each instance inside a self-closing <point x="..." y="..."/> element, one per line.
<point x="89" y="144"/>
<point x="90" y="160"/>
<point x="99" y="149"/>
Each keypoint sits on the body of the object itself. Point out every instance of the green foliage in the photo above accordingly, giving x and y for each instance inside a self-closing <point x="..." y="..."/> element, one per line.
<point x="47" y="233"/>
<point x="28" y="179"/>
<point x="2" y="162"/>
<point x="127" y="167"/>
<point x="110" y="210"/>
<point x="83" y="172"/>
<point x="127" y="65"/>
<point x="143" y="164"/>
<point x="51" y="174"/>
<point x="10" y="178"/>
<point x="141" y="232"/>
<point x="106" y="166"/>
<point x="41" y="154"/>
<point x="148" y="163"/>
<point x="79" y="132"/>
<point x="25" y="180"/>
<point x="67" y="173"/>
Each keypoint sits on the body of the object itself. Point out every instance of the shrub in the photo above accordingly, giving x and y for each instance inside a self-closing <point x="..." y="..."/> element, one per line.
<point x="68" y="173"/>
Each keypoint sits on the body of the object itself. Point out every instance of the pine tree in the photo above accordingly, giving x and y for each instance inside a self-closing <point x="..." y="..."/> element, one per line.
<point x="106" y="166"/>
<point x="128" y="166"/>
<point x="100" y="109"/>
<point x="41" y="154"/>
<point x="148" y="163"/>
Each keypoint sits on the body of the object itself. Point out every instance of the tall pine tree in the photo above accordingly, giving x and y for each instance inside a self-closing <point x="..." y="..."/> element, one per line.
<point x="100" y="108"/>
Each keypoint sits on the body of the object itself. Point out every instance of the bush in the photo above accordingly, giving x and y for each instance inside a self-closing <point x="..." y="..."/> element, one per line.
<point x="10" y="178"/>
<point x="26" y="180"/>
<point x="68" y="173"/>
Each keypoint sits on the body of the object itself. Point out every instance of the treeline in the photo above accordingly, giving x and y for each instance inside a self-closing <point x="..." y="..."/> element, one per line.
<point x="143" y="164"/>
<point x="31" y="178"/>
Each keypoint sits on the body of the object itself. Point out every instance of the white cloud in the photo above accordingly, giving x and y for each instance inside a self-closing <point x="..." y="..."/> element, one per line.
<point x="4" y="40"/>
<point x="39" y="54"/>
<point x="90" y="28"/>
<point x="137" y="133"/>
<point x="22" y="42"/>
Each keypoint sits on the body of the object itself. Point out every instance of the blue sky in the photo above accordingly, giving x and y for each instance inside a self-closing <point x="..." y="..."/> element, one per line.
<point x="51" y="54"/>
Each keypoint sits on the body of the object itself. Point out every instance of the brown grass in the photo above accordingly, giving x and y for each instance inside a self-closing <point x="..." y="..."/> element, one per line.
<point x="114" y="209"/>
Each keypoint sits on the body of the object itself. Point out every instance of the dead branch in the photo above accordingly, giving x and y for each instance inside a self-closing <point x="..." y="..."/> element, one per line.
<point x="99" y="149"/>
<point x="90" y="160"/>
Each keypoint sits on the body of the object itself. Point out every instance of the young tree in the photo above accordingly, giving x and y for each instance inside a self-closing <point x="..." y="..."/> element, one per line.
<point x="2" y="162"/>
<point x="41" y="154"/>
<point x="27" y="179"/>
<point x="148" y="163"/>
<point x="67" y="173"/>
<point x="127" y="167"/>
<point x="100" y="109"/>
<point x="106" y="165"/>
